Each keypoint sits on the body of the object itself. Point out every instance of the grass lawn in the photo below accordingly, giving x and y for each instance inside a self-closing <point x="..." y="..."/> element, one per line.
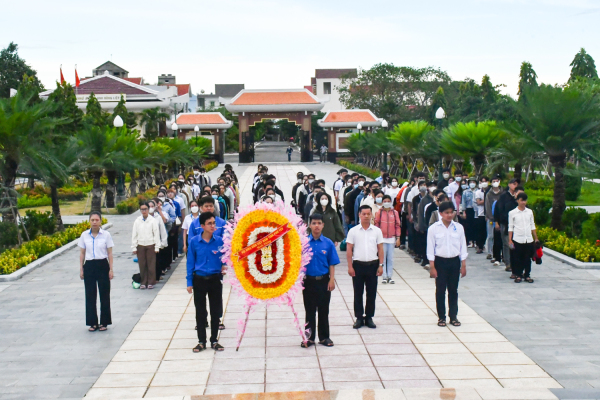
<point x="590" y="195"/>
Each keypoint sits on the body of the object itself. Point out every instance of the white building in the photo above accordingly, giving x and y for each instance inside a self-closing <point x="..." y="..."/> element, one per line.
<point x="222" y="95"/>
<point x="325" y="83"/>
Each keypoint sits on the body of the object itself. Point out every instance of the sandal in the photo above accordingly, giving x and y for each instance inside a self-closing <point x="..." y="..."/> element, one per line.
<point x="199" y="347"/>
<point x="455" y="322"/>
<point x="442" y="322"/>
<point x="307" y="344"/>
<point x="518" y="280"/>
<point x="221" y="327"/>
<point x="217" y="347"/>
<point x="103" y="328"/>
<point x="326" y="342"/>
<point x="93" y="328"/>
<point x="142" y="286"/>
<point x="513" y="276"/>
<point x="529" y="280"/>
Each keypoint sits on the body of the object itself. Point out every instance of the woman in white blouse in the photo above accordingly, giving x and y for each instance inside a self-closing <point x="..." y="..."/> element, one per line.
<point x="96" y="270"/>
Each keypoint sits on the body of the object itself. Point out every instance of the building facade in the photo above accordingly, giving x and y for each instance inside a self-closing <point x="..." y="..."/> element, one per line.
<point x="324" y="85"/>
<point x="222" y="95"/>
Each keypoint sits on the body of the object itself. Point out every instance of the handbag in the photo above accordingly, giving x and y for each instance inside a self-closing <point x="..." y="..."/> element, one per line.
<point x="343" y="245"/>
<point x="136" y="279"/>
<point x="177" y="221"/>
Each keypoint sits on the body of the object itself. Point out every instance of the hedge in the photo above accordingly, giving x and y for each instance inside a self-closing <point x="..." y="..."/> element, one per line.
<point x="581" y="250"/>
<point x="14" y="259"/>
<point x="371" y="173"/>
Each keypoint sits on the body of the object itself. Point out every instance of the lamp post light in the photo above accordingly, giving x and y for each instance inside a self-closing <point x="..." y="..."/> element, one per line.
<point x="359" y="127"/>
<point x="118" y="123"/>
<point x="384" y="125"/>
<point x="174" y="127"/>
<point x="196" y="129"/>
<point x="440" y="114"/>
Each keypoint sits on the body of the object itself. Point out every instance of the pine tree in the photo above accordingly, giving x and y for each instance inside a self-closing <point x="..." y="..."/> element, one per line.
<point x="129" y="118"/>
<point x="94" y="114"/>
<point x="527" y="77"/>
<point x="583" y="66"/>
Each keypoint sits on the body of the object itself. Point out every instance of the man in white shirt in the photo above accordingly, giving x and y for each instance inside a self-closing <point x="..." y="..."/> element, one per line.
<point x="521" y="238"/>
<point x="447" y="255"/>
<point x="339" y="183"/>
<point x="480" y="228"/>
<point x="364" y="254"/>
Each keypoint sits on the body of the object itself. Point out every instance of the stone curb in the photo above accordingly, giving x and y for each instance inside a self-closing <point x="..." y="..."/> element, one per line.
<point x="571" y="261"/>
<point x="18" y="274"/>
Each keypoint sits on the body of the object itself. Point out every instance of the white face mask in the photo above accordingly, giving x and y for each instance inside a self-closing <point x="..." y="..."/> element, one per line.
<point x="272" y="196"/>
<point x="495" y="184"/>
<point x="324" y="202"/>
<point x="181" y="180"/>
<point x="360" y="183"/>
<point x="194" y="209"/>
<point x="431" y="189"/>
<point x="387" y="205"/>
<point x="196" y="173"/>
<point x="472" y="185"/>
<point x="311" y="180"/>
<point x="446" y="176"/>
<point x="378" y="200"/>
<point x="394" y="184"/>
<point x="299" y="180"/>
<point x="458" y="178"/>
<point x="483" y="185"/>
<point x="463" y="186"/>
<point x="151" y="210"/>
<point x="162" y="198"/>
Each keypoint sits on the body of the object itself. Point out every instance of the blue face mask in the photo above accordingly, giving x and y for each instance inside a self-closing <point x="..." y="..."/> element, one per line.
<point x="355" y="185"/>
<point x="214" y="196"/>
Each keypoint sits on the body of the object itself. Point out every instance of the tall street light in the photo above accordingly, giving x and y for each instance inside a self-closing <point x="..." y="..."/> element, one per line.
<point x="359" y="127"/>
<point x="440" y="114"/>
<point x="384" y="125"/>
<point x="118" y="123"/>
<point x="196" y="129"/>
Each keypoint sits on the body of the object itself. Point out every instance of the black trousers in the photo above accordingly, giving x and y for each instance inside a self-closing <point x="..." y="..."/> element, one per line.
<point x="96" y="281"/>
<point x="420" y="244"/>
<point x="365" y="276"/>
<point x="214" y="289"/>
<point x="403" y="229"/>
<point x="163" y="260"/>
<point x="521" y="259"/>
<point x="172" y="242"/>
<point x="316" y="299"/>
<point x="448" y="275"/>
<point x="469" y="225"/>
<point x="497" y="249"/>
<point x="480" y="232"/>
<point x="411" y="234"/>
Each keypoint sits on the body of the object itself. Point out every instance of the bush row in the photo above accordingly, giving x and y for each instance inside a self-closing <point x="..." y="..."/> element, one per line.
<point x="361" y="169"/>
<point x="14" y="259"/>
<point x="581" y="250"/>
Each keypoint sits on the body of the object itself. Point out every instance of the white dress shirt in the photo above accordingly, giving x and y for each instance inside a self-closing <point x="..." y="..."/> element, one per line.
<point x="365" y="242"/>
<point x="521" y="223"/>
<point x="187" y="221"/>
<point x="162" y="230"/>
<point x="479" y="195"/>
<point x="447" y="242"/>
<point x="96" y="248"/>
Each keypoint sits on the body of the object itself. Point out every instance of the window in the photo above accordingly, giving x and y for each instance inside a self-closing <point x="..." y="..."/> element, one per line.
<point x="212" y="104"/>
<point x="326" y="87"/>
<point x="166" y="81"/>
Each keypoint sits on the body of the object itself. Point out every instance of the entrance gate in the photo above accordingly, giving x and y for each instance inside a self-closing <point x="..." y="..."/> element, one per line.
<point x="254" y="106"/>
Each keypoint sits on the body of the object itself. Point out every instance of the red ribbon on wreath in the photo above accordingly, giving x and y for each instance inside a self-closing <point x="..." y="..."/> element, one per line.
<point x="264" y="242"/>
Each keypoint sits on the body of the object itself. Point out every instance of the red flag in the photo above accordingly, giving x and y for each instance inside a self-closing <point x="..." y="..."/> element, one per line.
<point x="76" y="77"/>
<point x="62" y="78"/>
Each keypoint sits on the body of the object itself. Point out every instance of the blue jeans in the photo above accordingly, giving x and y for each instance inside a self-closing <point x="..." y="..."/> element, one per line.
<point x="388" y="260"/>
<point x="180" y="243"/>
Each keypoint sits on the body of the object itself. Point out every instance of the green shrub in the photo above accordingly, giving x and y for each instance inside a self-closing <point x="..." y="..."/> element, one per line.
<point x="38" y="223"/>
<point x="8" y="234"/>
<point x="573" y="186"/>
<point x="573" y="219"/>
<point x="539" y="184"/>
<point x="590" y="230"/>
<point x="371" y="173"/>
<point x="541" y="211"/>
<point x="38" y="201"/>
<point x="574" y="248"/>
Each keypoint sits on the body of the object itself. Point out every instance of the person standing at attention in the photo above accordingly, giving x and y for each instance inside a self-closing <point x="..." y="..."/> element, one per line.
<point x="388" y="220"/>
<point x="447" y="255"/>
<point x="289" y="152"/>
<point x="204" y="271"/>
<point x="319" y="282"/>
<point x="521" y="237"/>
<point x="323" y="152"/>
<point x="96" y="270"/>
<point x="364" y="254"/>
<point x="145" y="243"/>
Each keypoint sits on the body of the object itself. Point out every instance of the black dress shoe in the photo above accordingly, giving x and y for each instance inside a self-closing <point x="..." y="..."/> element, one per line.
<point x="369" y="322"/>
<point x="359" y="322"/>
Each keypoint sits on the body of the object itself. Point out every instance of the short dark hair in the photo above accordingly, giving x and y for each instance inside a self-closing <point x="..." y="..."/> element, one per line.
<point x="95" y="213"/>
<point x="309" y="175"/>
<point x="442" y="196"/>
<point x="354" y="174"/>
<point x="485" y="177"/>
<point x="362" y="177"/>
<point x="445" y="206"/>
<point x="145" y="204"/>
<point x="522" y="196"/>
<point x="421" y="175"/>
<point x="206" y="199"/>
<point x="457" y="172"/>
<point x="376" y="192"/>
<point x="387" y="197"/>
<point x="316" y="217"/>
<point x="205" y="216"/>
<point x="364" y="207"/>
<point x="521" y="188"/>
<point x="446" y="170"/>
<point x="194" y="201"/>
<point x="319" y="182"/>
<point x="437" y="191"/>
<point x="342" y="171"/>
<point x="270" y="183"/>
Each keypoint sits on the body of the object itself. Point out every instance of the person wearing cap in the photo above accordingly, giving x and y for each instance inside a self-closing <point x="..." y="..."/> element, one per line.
<point x="467" y="209"/>
<point x="447" y="255"/>
<point x="494" y="237"/>
<point x="506" y="203"/>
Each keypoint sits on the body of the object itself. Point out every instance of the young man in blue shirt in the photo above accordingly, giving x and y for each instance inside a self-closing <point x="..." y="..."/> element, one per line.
<point x="204" y="271"/>
<point x="207" y="204"/>
<point x="319" y="282"/>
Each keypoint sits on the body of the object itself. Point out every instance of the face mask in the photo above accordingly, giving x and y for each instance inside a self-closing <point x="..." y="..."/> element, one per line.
<point x="463" y="186"/>
<point x="472" y="185"/>
<point x="151" y="210"/>
<point x="458" y="178"/>
<point x="421" y="180"/>
<point x="387" y="205"/>
<point x="431" y="189"/>
<point x="214" y="196"/>
<point x="324" y="202"/>
<point x="394" y="184"/>
<point x="299" y="180"/>
<point x="355" y="185"/>
<point x="378" y="200"/>
<point x="272" y="196"/>
<point x="181" y="180"/>
<point x="361" y="183"/>
<point x="162" y="198"/>
<point x="423" y="189"/>
<point x="194" y="209"/>
<point x="483" y="185"/>
<point x="196" y="173"/>
<point x="311" y="180"/>
<point x="446" y="176"/>
<point x="495" y="184"/>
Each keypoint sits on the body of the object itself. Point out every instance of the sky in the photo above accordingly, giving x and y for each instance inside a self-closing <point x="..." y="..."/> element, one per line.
<point x="278" y="44"/>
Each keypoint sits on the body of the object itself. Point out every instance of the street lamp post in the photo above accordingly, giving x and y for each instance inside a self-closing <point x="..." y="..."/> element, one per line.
<point x="196" y="129"/>
<point x="440" y="114"/>
<point x="384" y="125"/>
<point x="359" y="127"/>
<point x="118" y="123"/>
<point x="175" y="127"/>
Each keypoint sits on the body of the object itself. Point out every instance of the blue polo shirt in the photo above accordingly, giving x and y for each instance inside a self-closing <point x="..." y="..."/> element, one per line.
<point x="204" y="258"/>
<point x="324" y="255"/>
<point x="195" y="228"/>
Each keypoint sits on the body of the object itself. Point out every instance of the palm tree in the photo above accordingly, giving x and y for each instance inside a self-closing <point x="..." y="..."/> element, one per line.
<point x="515" y="151"/>
<point x="560" y="121"/>
<point x="151" y="118"/>
<point x="408" y="140"/>
<point x="471" y="140"/>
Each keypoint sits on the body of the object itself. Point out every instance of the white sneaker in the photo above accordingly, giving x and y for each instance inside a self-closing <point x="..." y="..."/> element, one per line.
<point x="384" y="281"/>
<point x="391" y="281"/>
<point x="497" y="263"/>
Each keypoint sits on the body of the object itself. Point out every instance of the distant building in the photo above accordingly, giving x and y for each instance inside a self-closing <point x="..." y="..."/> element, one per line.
<point x="223" y="94"/>
<point x="112" y="68"/>
<point x="324" y="85"/>
<point x="164" y="79"/>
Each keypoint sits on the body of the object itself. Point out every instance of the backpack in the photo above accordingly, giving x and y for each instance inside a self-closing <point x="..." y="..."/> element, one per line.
<point x="135" y="281"/>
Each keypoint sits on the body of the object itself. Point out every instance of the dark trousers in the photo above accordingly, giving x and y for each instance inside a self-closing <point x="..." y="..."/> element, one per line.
<point x="411" y="235"/>
<point x="403" y="229"/>
<point x="497" y="249"/>
<point x="448" y="275"/>
<point x="316" y="299"/>
<point x="365" y="276"/>
<point x="172" y="242"/>
<point x="469" y="225"/>
<point x="480" y="232"/>
<point x="420" y="244"/>
<point x="521" y="259"/>
<point x="212" y="287"/>
<point x="95" y="279"/>
<point x="147" y="263"/>
<point x="162" y="261"/>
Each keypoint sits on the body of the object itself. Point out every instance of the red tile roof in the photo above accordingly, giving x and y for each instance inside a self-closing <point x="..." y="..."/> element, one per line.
<point x="200" y="118"/>
<point x="270" y="98"/>
<point x="350" y="116"/>
<point x="106" y="85"/>
<point x="182" y="89"/>
<point x="309" y="88"/>
<point x="137" y="81"/>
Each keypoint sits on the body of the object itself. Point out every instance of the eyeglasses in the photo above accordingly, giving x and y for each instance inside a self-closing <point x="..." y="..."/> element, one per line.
<point x="144" y="209"/>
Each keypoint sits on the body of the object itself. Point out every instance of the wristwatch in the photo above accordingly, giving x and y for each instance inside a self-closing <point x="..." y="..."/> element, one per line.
<point x="381" y="265"/>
